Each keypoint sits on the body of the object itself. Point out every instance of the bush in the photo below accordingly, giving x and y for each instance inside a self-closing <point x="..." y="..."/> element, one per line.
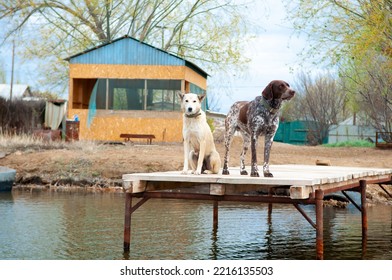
<point x="211" y="124"/>
<point x="18" y="117"/>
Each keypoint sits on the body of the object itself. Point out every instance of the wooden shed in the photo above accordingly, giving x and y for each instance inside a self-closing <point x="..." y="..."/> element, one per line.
<point x="127" y="86"/>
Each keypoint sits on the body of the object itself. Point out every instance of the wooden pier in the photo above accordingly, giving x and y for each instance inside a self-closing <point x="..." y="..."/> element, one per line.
<point x="291" y="184"/>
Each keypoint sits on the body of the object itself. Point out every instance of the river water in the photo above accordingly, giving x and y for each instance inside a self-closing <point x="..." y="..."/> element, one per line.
<point x="44" y="225"/>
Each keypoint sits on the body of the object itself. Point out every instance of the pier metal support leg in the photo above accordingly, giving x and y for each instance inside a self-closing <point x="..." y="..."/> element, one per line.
<point x="362" y="184"/>
<point x="300" y="210"/>
<point x="270" y="206"/>
<point x="127" y="222"/>
<point x="385" y="190"/>
<point x="319" y="225"/>
<point x="215" y="216"/>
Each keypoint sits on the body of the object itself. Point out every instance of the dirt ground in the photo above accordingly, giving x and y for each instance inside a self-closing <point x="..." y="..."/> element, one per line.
<point x="104" y="165"/>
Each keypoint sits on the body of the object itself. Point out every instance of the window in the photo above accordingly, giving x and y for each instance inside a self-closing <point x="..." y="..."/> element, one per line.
<point x="198" y="90"/>
<point x="126" y="94"/>
<point x="162" y="95"/>
<point x="195" y="89"/>
<point x="137" y="94"/>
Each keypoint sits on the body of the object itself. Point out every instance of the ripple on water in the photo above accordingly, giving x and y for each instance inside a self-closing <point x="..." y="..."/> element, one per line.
<point x="48" y="225"/>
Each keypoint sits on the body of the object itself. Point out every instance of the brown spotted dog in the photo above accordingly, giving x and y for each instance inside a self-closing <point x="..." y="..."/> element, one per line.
<point x="253" y="119"/>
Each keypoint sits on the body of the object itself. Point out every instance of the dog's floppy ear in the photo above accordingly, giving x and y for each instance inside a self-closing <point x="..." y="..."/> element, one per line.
<point x="180" y="94"/>
<point x="201" y="97"/>
<point x="267" y="92"/>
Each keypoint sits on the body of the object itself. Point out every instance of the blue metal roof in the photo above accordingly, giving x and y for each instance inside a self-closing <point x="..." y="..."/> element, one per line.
<point x="129" y="51"/>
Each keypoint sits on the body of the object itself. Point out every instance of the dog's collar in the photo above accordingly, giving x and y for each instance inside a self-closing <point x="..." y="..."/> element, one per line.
<point x="268" y="106"/>
<point x="195" y="115"/>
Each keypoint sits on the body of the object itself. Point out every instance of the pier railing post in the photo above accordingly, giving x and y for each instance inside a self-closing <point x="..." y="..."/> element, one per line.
<point x="127" y="222"/>
<point x="319" y="225"/>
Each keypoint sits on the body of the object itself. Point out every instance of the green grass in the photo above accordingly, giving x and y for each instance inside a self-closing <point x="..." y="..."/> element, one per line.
<point x="353" y="143"/>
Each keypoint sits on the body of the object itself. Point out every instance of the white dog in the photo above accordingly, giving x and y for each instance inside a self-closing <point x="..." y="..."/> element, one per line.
<point x="199" y="147"/>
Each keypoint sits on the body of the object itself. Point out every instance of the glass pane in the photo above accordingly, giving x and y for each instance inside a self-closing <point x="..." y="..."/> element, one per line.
<point x="195" y="89"/>
<point x="101" y="94"/>
<point x="162" y="95"/>
<point x="126" y="94"/>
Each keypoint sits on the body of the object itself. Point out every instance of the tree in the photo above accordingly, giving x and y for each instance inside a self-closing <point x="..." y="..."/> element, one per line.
<point x="209" y="31"/>
<point x="371" y="86"/>
<point x="341" y="30"/>
<point x="321" y="102"/>
<point x="356" y="36"/>
<point x="3" y="76"/>
<point x="44" y="95"/>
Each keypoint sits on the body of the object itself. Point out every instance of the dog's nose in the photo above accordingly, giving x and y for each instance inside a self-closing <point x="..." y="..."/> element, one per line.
<point x="189" y="109"/>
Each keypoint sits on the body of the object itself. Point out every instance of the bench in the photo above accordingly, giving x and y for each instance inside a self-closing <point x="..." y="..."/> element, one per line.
<point x="127" y="137"/>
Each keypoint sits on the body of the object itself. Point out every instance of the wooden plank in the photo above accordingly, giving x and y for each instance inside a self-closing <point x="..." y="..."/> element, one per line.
<point x="300" y="192"/>
<point x="332" y="172"/>
<point x="303" y="192"/>
<point x="217" y="189"/>
<point x="323" y="171"/>
<point x="234" y="189"/>
<point x="127" y="185"/>
<point x="301" y="179"/>
<point x="178" y="186"/>
<point x="134" y="186"/>
<point x="221" y="179"/>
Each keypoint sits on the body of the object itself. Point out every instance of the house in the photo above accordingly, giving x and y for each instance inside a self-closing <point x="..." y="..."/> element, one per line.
<point x="18" y="91"/>
<point x="127" y="86"/>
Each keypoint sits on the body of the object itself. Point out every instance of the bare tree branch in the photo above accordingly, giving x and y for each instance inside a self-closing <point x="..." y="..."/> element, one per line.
<point x="322" y="101"/>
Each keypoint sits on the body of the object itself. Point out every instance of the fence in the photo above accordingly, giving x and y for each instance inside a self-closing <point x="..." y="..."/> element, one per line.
<point x="297" y="133"/>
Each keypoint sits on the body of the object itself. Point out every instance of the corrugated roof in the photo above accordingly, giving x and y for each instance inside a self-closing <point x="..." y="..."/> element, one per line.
<point x="18" y="91"/>
<point x="130" y="51"/>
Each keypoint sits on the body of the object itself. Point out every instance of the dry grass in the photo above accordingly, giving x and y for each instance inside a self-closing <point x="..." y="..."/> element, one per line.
<point x="12" y="143"/>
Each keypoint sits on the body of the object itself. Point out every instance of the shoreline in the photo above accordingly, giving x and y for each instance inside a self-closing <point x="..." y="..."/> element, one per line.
<point x="93" y="167"/>
<point x="374" y="194"/>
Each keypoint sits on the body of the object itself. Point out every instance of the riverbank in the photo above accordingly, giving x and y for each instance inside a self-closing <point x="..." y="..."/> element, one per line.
<point x="99" y="167"/>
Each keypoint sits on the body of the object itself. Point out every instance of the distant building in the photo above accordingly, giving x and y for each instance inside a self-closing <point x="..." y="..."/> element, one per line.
<point x="127" y="86"/>
<point x="347" y="131"/>
<point x="299" y="132"/>
<point x="18" y="91"/>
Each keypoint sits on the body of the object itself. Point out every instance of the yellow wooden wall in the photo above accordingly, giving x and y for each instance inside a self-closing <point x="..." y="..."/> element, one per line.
<point x="93" y="71"/>
<point x="108" y="124"/>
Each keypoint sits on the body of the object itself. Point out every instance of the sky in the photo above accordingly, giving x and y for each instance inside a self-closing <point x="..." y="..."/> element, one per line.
<point x="273" y="53"/>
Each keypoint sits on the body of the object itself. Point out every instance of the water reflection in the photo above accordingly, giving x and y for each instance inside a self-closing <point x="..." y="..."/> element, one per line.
<point x="56" y="225"/>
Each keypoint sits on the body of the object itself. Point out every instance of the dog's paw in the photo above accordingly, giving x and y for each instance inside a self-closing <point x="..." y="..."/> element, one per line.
<point x="184" y="172"/>
<point x="268" y="174"/>
<point x="208" y="172"/>
<point x="225" y="172"/>
<point x="244" y="172"/>
<point x="254" y="174"/>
